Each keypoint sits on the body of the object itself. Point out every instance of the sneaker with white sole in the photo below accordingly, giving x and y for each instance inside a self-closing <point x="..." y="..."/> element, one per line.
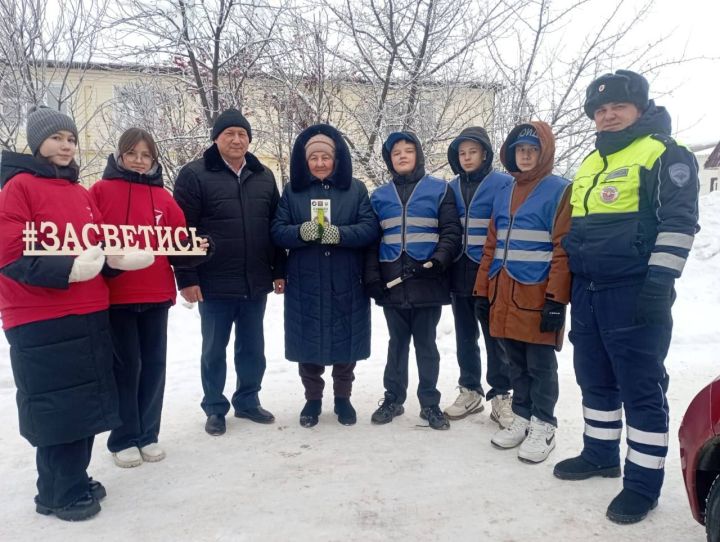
<point x="501" y="412"/>
<point x="539" y="443"/>
<point x="152" y="453"/>
<point x="468" y="402"/>
<point x="127" y="458"/>
<point x="511" y="436"/>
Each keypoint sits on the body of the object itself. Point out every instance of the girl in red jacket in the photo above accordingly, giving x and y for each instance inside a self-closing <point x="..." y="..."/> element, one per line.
<point x="132" y="192"/>
<point x="54" y="314"/>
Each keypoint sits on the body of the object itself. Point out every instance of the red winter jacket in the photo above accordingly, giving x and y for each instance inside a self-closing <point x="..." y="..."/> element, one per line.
<point x="126" y="197"/>
<point x="35" y="288"/>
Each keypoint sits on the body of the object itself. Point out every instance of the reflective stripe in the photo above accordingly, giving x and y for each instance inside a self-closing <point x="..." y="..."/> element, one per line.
<point x="525" y="255"/>
<point x="422" y="238"/>
<point x="421" y="221"/>
<point x="391" y="223"/>
<point x="476" y="239"/>
<point x="478" y="222"/>
<point x="645" y="460"/>
<point x="392" y="239"/>
<point x="602" y="415"/>
<point x="645" y="437"/>
<point x="526" y="235"/>
<point x="672" y="239"/>
<point x="603" y="433"/>
<point x="663" y="259"/>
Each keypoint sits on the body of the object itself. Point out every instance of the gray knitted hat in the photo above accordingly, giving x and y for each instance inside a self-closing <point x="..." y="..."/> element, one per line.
<point x="42" y="122"/>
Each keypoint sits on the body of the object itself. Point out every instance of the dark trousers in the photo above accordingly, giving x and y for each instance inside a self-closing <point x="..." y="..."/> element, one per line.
<point x="534" y="377"/>
<point x="621" y="364"/>
<point x="419" y="324"/>
<point x="140" y="352"/>
<point x="62" y="472"/>
<point x="311" y="375"/>
<point x="467" y="334"/>
<point x="217" y="318"/>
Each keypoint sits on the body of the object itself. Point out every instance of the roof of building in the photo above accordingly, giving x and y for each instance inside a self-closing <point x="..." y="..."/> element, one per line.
<point x="713" y="160"/>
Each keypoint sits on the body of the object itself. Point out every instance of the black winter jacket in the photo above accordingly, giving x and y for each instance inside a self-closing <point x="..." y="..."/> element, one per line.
<point x="417" y="291"/>
<point x="236" y="214"/>
<point x="464" y="270"/>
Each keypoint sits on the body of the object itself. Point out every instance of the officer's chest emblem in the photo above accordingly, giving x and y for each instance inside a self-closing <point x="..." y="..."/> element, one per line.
<point x="609" y="194"/>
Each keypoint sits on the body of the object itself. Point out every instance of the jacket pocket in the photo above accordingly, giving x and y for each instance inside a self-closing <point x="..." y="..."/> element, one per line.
<point x="529" y="297"/>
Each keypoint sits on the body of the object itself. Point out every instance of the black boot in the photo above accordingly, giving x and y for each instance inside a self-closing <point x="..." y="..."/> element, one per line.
<point x="387" y="410"/>
<point x="97" y="490"/>
<point x="83" y="508"/>
<point x="435" y="417"/>
<point x="215" y="425"/>
<point x="345" y="411"/>
<point x="310" y="413"/>
<point x="578" y="468"/>
<point x="630" y="507"/>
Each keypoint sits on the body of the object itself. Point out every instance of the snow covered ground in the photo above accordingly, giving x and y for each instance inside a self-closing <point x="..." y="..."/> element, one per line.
<point x="401" y="481"/>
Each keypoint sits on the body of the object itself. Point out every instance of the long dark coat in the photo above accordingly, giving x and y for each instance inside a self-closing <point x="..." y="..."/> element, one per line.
<point x="327" y="313"/>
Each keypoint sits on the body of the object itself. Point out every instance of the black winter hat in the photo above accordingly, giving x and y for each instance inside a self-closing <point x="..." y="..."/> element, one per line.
<point x="228" y="118"/>
<point x="618" y="87"/>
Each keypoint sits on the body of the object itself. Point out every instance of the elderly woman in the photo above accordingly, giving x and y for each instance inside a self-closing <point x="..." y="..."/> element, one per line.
<point x="325" y="220"/>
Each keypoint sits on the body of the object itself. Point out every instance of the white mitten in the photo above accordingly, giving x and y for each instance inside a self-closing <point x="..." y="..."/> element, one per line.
<point x="87" y="265"/>
<point x="132" y="261"/>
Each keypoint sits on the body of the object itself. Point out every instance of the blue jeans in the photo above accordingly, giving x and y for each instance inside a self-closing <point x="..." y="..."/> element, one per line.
<point x="217" y="318"/>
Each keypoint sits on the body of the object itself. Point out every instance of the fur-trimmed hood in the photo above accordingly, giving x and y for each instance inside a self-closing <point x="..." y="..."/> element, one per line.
<point x="300" y="176"/>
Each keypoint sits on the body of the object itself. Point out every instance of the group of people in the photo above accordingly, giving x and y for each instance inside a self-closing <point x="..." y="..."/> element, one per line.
<point x="509" y="252"/>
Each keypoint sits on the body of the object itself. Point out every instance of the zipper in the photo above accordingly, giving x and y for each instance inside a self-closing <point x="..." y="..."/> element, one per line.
<point x="509" y="228"/>
<point x="594" y="184"/>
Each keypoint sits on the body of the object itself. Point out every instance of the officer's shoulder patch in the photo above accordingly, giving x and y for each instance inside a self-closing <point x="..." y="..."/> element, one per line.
<point x="679" y="174"/>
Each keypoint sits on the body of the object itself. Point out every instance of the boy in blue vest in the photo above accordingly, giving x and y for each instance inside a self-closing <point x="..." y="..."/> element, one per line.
<point x="470" y="156"/>
<point x="405" y="273"/>
<point x="524" y="284"/>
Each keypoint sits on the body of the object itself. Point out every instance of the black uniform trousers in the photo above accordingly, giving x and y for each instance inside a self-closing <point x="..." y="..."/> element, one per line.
<point x="467" y="334"/>
<point x="534" y="377"/>
<point x="62" y="472"/>
<point x="311" y="375"/>
<point x="419" y="324"/>
<point x="140" y="350"/>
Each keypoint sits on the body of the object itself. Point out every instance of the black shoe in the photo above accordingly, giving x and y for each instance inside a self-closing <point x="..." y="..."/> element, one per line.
<point x="435" y="417"/>
<point x="97" y="490"/>
<point x="577" y="468"/>
<point x="256" y="414"/>
<point x="215" y="425"/>
<point x="83" y="508"/>
<point x="310" y="413"/>
<point x="345" y="411"/>
<point x="630" y="507"/>
<point x="387" y="410"/>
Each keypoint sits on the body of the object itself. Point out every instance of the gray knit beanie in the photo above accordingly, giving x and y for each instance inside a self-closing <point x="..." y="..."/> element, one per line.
<point x="42" y="122"/>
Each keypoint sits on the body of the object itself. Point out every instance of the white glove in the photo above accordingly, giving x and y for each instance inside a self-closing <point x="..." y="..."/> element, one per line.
<point x="132" y="261"/>
<point x="87" y="265"/>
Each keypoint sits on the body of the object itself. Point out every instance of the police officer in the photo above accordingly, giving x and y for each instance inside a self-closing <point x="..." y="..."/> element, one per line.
<point x="406" y="273"/>
<point x="634" y="217"/>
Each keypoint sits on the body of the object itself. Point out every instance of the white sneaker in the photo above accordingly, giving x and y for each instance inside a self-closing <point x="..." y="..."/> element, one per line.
<point x="539" y="443"/>
<point x="152" y="453"/>
<point x="468" y="402"/>
<point x="127" y="458"/>
<point x="511" y="436"/>
<point x="502" y="413"/>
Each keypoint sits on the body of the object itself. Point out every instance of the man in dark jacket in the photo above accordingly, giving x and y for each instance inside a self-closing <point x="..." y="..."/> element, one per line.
<point x="634" y="217"/>
<point x="470" y="156"/>
<point x="407" y="272"/>
<point x="231" y="196"/>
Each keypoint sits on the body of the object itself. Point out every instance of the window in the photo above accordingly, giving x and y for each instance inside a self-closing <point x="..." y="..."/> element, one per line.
<point x="12" y="107"/>
<point x="136" y="104"/>
<point x="54" y="98"/>
<point x="713" y="184"/>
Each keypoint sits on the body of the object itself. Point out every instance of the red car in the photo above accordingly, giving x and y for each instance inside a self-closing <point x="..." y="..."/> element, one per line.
<point x="700" y="457"/>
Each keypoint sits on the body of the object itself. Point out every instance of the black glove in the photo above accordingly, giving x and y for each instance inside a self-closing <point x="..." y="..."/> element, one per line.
<point x="655" y="301"/>
<point x="431" y="272"/>
<point x="483" y="309"/>
<point x="376" y="289"/>
<point x="553" y="316"/>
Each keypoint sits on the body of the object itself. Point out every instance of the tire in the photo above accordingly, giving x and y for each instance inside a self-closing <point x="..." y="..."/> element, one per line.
<point x="712" y="512"/>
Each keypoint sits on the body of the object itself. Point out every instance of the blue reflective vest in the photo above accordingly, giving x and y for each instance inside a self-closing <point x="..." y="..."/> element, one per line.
<point x="475" y="221"/>
<point x="524" y="240"/>
<point x="414" y="228"/>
